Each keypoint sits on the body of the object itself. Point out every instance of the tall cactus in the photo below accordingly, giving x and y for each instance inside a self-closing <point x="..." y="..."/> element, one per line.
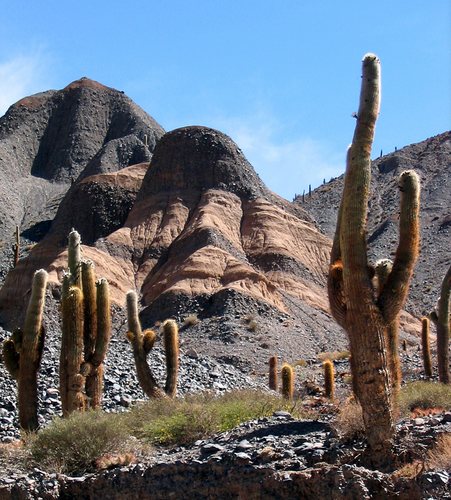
<point x="441" y="318"/>
<point x="23" y="351"/>
<point x="143" y="342"/>
<point x="357" y="306"/>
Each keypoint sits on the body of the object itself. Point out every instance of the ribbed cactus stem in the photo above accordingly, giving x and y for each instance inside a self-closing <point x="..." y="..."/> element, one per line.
<point x="93" y="366"/>
<point x="443" y="329"/>
<point x="383" y="269"/>
<point x="329" y="379"/>
<point x="273" y="382"/>
<point x="31" y="353"/>
<point x="135" y="336"/>
<point x="287" y="375"/>
<point x="89" y="307"/>
<point x="426" y="348"/>
<point x="74" y="257"/>
<point x="171" y="348"/>
<point x="393" y="296"/>
<point x="72" y="382"/>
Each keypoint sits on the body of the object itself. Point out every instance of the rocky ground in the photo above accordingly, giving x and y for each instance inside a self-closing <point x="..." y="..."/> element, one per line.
<point x="275" y="457"/>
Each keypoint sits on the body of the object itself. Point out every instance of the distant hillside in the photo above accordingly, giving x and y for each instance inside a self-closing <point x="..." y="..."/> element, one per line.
<point x="431" y="159"/>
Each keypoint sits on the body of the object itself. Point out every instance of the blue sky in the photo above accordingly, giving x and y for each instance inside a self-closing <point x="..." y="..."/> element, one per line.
<point x="280" y="77"/>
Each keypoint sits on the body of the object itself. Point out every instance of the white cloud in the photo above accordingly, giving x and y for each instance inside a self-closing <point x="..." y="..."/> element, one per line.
<point x="287" y="166"/>
<point x="20" y="76"/>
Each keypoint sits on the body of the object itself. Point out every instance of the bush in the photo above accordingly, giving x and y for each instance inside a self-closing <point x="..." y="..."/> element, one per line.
<point x="191" y="320"/>
<point x="424" y="395"/>
<point x="184" y="421"/>
<point x="73" y="444"/>
<point x="334" y="356"/>
<point x="349" y="422"/>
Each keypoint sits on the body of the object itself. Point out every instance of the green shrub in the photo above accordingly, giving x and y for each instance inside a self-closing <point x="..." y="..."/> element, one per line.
<point x="195" y="417"/>
<point x="73" y="444"/>
<point x="424" y="395"/>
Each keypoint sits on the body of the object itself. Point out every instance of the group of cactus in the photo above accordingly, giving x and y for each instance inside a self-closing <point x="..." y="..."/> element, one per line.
<point x="287" y="376"/>
<point x="86" y="332"/>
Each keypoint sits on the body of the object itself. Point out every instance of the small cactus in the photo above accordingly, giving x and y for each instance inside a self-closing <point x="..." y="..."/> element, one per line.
<point x="287" y="375"/>
<point x="171" y="348"/>
<point x="273" y="382"/>
<point x="22" y="353"/>
<point x="426" y="347"/>
<point x="143" y="342"/>
<point x="329" y="382"/>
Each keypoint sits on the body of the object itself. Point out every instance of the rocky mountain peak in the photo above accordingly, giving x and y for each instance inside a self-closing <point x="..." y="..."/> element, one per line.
<point x="200" y="158"/>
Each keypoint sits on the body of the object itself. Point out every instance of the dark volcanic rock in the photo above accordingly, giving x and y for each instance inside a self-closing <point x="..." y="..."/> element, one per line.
<point x="200" y="158"/>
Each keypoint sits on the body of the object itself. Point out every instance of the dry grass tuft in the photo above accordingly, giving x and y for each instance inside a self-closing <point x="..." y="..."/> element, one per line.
<point x="439" y="457"/>
<point x="333" y="356"/>
<point x="349" y="422"/>
<point x="191" y="320"/>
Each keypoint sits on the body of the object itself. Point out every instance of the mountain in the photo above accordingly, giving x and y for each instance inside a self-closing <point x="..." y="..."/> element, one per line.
<point x="51" y="139"/>
<point x="184" y="219"/>
<point x="204" y="236"/>
<point x="431" y="159"/>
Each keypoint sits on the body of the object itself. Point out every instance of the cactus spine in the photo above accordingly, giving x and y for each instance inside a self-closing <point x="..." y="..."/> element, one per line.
<point x="425" y="344"/>
<point x="356" y="305"/>
<point x="441" y="318"/>
<point x="329" y="376"/>
<point x="287" y="375"/>
<point x="273" y="382"/>
<point x="23" y="352"/>
<point x="142" y="343"/>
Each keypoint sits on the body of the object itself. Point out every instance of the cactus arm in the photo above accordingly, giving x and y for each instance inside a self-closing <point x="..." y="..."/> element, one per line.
<point x="394" y="294"/>
<point x="30" y="354"/>
<point x="11" y="358"/>
<point x="74" y="257"/>
<point x="93" y="369"/>
<point x="443" y="329"/>
<point x="171" y="348"/>
<point x="135" y="335"/>
<point x="90" y="308"/>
